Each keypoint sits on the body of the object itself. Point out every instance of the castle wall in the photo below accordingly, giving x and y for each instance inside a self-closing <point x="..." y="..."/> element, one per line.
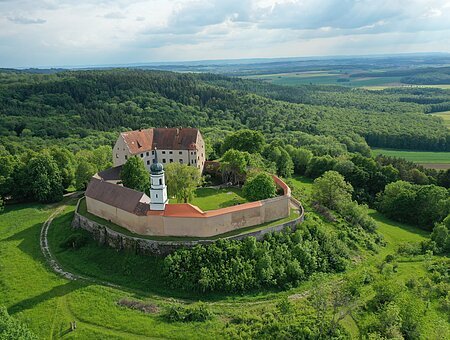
<point x="212" y="223"/>
<point x="106" y="236"/>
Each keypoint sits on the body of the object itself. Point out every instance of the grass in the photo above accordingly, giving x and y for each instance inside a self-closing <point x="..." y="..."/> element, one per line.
<point x="211" y="199"/>
<point x="421" y="157"/>
<point x="445" y="115"/>
<point x="47" y="303"/>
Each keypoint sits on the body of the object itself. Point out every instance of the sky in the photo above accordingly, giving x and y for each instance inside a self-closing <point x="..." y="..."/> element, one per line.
<point x="35" y="33"/>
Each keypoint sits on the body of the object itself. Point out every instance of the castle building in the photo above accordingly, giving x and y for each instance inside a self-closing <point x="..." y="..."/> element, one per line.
<point x="182" y="145"/>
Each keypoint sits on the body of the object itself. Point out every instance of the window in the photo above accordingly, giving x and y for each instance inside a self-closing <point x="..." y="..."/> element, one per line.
<point x="148" y="162"/>
<point x="170" y="152"/>
<point x="147" y="153"/>
<point x="142" y="155"/>
<point x="117" y="155"/>
<point x="171" y="160"/>
<point x="164" y="160"/>
<point x="163" y="152"/>
<point x="153" y="152"/>
<point x="192" y="161"/>
<point x="181" y="161"/>
<point x="160" y="181"/>
<point x="180" y="152"/>
<point x="156" y="195"/>
<point x="126" y="157"/>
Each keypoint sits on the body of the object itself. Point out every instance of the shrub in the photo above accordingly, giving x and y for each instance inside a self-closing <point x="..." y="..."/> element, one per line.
<point x="259" y="187"/>
<point x="195" y="313"/>
<point x="74" y="241"/>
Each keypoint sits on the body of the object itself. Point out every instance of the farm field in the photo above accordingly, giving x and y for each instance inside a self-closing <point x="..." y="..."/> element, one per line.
<point x="445" y="115"/>
<point x="325" y="78"/>
<point x="439" y="160"/>
<point x="339" y="78"/>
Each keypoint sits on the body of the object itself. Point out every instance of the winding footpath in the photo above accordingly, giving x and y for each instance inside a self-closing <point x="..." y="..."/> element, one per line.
<point x="53" y="263"/>
<point x="57" y="268"/>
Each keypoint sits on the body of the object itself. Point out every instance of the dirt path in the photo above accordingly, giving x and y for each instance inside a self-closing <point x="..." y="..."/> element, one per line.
<point x="56" y="267"/>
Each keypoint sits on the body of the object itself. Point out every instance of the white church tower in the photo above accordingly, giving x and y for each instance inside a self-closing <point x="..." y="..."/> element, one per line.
<point x="158" y="188"/>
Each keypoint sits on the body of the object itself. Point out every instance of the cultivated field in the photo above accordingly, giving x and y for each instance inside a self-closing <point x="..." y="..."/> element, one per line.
<point x="325" y="78"/>
<point x="430" y="159"/>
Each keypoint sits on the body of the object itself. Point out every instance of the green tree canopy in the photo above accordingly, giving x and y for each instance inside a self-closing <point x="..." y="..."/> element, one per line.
<point x="66" y="164"/>
<point x="233" y="165"/>
<point x="259" y="187"/>
<point x="244" y="140"/>
<point x="182" y="180"/>
<point x="134" y="175"/>
<point x="331" y="190"/>
<point x="44" y="179"/>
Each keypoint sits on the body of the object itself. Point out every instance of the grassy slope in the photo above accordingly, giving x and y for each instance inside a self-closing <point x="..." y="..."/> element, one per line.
<point x="48" y="303"/>
<point x="422" y="157"/>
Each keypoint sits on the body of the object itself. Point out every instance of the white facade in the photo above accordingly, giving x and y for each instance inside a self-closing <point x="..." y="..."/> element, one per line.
<point x="158" y="191"/>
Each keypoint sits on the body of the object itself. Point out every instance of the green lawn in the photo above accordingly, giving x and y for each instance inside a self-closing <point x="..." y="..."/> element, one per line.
<point x="421" y="157"/>
<point x="445" y="115"/>
<point x="47" y="303"/>
<point x="211" y="199"/>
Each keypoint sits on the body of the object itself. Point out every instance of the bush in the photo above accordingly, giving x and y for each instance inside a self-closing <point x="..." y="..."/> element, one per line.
<point x="10" y="328"/>
<point x="195" y="313"/>
<point x="259" y="187"/>
<point x="74" y="241"/>
<point x="282" y="260"/>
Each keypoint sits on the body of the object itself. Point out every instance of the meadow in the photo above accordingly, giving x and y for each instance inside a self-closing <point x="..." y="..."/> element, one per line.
<point x="211" y="199"/>
<point x="439" y="160"/>
<point x="47" y="303"/>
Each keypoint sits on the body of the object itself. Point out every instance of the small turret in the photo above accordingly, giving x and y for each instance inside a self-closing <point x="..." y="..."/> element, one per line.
<point x="158" y="188"/>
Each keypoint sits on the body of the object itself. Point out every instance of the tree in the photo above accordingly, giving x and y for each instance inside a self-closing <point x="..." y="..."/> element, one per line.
<point x="441" y="237"/>
<point x="301" y="158"/>
<point x="85" y="170"/>
<point x="244" y="140"/>
<point x="2" y="204"/>
<point x="259" y="187"/>
<point x="134" y="175"/>
<point x="234" y="166"/>
<point x="280" y="157"/>
<point x="66" y="164"/>
<point x="182" y="180"/>
<point x="331" y="190"/>
<point x="44" y="179"/>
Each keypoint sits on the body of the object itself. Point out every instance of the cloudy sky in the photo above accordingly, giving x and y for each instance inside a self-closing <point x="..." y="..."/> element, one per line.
<point x="93" y="32"/>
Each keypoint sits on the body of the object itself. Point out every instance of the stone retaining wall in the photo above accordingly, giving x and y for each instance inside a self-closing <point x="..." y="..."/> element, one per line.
<point x="106" y="236"/>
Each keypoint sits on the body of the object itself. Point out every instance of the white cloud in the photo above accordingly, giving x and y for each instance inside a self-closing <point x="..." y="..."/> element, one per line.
<point x="74" y="32"/>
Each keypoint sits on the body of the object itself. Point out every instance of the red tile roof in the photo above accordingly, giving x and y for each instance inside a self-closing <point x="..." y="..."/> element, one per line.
<point x="162" y="138"/>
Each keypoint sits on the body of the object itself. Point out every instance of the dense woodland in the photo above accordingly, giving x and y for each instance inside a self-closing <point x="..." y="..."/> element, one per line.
<point x="71" y="105"/>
